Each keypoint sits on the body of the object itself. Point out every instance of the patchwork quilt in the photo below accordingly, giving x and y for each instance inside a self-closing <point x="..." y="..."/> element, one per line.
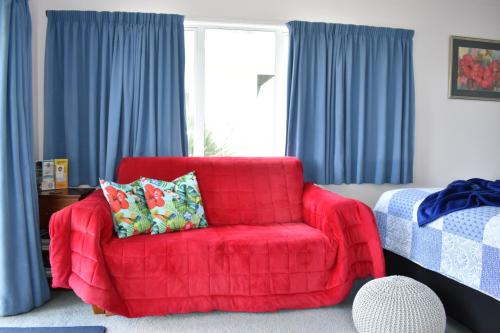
<point x="464" y="245"/>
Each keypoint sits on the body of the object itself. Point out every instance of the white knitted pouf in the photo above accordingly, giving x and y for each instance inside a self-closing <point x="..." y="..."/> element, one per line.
<point x="397" y="304"/>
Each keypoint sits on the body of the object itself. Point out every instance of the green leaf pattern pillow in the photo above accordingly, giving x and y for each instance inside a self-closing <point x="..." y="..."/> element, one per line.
<point x="128" y="207"/>
<point x="175" y="205"/>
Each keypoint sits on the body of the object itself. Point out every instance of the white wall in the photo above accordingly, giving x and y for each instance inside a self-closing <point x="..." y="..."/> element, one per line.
<point x="454" y="138"/>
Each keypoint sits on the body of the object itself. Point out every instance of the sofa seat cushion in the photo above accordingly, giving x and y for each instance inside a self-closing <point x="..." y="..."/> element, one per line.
<point x="244" y="260"/>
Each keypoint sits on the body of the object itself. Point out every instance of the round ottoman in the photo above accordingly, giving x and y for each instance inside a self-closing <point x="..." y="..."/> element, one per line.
<point x="397" y="304"/>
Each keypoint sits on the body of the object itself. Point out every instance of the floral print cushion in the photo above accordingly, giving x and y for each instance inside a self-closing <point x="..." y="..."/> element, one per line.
<point x="128" y="206"/>
<point x="175" y="205"/>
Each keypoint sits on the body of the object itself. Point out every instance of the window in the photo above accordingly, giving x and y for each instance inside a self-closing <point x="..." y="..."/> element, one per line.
<point x="236" y="90"/>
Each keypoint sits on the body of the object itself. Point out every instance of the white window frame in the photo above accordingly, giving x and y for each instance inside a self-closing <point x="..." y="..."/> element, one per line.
<point x="199" y="27"/>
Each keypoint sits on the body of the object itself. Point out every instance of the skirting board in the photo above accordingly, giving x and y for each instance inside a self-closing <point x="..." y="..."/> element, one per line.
<point x="473" y="309"/>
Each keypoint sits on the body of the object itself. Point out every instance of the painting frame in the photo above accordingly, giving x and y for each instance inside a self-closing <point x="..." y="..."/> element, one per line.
<point x="454" y="91"/>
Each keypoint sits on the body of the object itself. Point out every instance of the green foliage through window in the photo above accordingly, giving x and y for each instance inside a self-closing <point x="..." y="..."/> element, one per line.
<point x="211" y="148"/>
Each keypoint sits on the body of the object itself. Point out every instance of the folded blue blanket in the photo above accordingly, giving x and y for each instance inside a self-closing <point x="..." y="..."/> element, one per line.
<point x="458" y="195"/>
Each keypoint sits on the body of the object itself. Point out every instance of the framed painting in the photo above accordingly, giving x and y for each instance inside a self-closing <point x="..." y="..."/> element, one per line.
<point x="474" y="68"/>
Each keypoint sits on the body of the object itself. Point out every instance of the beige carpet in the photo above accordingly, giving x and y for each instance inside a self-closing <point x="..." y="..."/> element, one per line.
<point x="66" y="309"/>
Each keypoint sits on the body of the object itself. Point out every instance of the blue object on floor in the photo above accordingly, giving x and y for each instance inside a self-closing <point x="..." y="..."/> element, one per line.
<point x="76" y="329"/>
<point x="459" y="195"/>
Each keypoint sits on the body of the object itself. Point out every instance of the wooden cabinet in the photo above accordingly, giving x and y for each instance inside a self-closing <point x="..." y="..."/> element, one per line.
<point x="50" y="202"/>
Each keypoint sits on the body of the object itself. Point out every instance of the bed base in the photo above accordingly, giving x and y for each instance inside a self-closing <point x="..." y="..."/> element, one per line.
<point x="473" y="309"/>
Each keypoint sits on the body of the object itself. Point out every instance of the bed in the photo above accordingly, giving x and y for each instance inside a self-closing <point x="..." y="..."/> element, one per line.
<point x="457" y="255"/>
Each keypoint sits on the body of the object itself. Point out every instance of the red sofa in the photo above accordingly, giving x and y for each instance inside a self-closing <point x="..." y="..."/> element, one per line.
<point x="272" y="243"/>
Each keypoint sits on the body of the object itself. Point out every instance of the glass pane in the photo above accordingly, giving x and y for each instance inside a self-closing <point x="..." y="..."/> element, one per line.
<point x="240" y="93"/>
<point x="189" y="86"/>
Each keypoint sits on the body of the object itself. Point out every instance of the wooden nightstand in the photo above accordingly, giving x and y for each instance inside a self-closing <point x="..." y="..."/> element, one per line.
<point x="50" y="202"/>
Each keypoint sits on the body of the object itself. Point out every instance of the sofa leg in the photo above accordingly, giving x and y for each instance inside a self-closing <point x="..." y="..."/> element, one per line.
<point x="97" y="310"/>
<point x="107" y="313"/>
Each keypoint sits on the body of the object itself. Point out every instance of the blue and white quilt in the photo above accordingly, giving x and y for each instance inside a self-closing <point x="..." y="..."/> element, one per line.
<point x="464" y="245"/>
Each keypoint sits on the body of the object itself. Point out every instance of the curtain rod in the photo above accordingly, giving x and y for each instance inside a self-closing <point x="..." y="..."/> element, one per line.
<point x="220" y="21"/>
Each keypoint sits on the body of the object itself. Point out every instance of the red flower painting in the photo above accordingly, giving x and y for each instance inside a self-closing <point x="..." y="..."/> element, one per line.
<point x="479" y="70"/>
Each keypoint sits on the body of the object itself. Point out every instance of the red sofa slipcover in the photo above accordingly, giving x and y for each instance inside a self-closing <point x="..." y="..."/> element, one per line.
<point x="272" y="243"/>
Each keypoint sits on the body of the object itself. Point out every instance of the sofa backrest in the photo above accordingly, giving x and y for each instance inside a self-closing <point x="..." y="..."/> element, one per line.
<point x="235" y="190"/>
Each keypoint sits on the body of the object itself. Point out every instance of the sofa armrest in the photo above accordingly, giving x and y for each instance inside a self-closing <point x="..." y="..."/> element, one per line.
<point x="76" y="234"/>
<point x="351" y="225"/>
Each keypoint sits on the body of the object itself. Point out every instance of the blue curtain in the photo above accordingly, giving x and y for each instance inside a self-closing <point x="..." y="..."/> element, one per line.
<point x="114" y="87"/>
<point x="23" y="284"/>
<point x="351" y="103"/>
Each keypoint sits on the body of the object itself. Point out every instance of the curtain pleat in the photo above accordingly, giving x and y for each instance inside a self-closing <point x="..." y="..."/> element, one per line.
<point x="351" y="103"/>
<point x="23" y="284"/>
<point x="114" y="87"/>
